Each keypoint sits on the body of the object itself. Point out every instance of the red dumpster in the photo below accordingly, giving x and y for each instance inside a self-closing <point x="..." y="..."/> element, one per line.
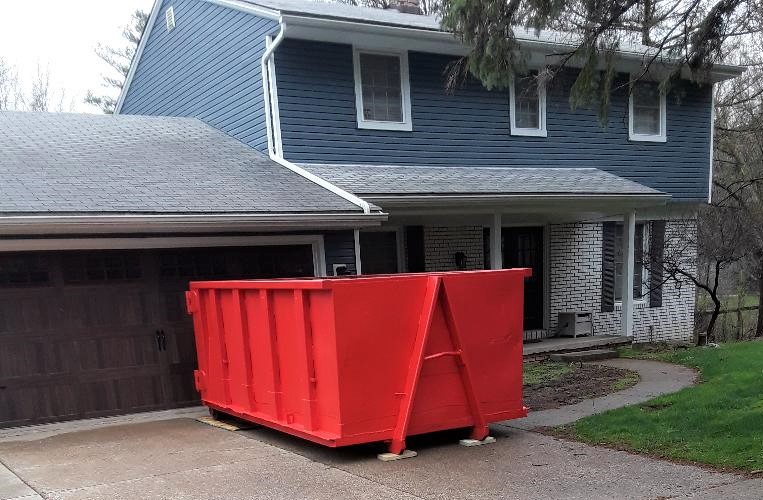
<point x="356" y="360"/>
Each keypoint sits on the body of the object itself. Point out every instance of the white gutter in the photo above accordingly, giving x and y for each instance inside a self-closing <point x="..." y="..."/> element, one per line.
<point x="275" y="153"/>
<point x="165" y="223"/>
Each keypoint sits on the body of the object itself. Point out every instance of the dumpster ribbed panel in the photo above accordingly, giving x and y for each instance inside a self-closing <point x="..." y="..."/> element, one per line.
<point x="364" y="359"/>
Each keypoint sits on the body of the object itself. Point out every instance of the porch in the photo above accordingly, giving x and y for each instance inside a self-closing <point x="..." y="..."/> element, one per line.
<point x="551" y="345"/>
<point x="547" y="219"/>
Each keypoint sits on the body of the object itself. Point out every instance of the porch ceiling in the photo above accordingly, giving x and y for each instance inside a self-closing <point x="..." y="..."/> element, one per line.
<point x="538" y="188"/>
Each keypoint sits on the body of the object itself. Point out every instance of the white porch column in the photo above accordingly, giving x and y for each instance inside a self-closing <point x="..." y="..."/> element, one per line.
<point x="356" y="234"/>
<point x="629" y="236"/>
<point x="496" y="256"/>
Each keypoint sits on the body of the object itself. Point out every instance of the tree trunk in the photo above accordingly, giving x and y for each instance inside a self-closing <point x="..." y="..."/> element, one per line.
<point x="713" y="319"/>
<point x="759" y="326"/>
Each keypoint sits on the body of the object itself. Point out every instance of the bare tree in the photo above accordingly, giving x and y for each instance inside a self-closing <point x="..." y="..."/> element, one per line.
<point x="40" y="97"/>
<point x="10" y="92"/>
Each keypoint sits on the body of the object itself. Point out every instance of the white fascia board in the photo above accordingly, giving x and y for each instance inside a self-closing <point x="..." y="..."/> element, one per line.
<point x="138" y="53"/>
<point x="248" y="8"/>
<point x="111" y="224"/>
<point x="389" y="37"/>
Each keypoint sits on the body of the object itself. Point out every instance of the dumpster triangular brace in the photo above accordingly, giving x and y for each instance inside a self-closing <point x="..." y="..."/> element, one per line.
<point x="435" y="294"/>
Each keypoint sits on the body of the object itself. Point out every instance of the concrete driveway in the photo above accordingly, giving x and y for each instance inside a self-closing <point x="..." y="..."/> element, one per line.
<point x="181" y="458"/>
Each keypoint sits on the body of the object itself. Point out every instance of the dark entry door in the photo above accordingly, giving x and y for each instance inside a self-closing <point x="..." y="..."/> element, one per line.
<point x="378" y="249"/>
<point x="523" y="247"/>
<point x="88" y="334"/>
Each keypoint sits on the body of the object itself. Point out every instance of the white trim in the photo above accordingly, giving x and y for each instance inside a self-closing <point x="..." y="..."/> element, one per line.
<point x="249" y="8"/>
<point x="405" y="92"/>
<point x="546" y="276"/>
<point x="358" y="258"/>
<point x="535" y="132"/>
<point x="712" y="141"/>
<point x="109" y="224"/>
<point x="138" y="53"/>
<point x="662" y="136"/>
<point x="56" y="244"/>
<point x="421" y="39"/>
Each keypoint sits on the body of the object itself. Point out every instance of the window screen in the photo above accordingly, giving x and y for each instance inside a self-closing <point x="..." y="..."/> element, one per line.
<point x="526" y="103"/>
<point x="646" y="109"/>
<point x="381" y="87"/>
<point x="638" y="266"/>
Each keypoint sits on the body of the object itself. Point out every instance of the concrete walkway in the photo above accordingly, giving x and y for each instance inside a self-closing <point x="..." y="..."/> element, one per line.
<point x="182" y="459"/>
<point x="656" y="379"/>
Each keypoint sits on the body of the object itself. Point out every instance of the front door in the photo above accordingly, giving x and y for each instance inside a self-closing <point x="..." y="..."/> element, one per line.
<point x="523" y="247"/>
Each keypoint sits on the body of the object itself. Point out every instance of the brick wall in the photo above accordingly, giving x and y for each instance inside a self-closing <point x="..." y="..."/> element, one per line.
<point x="575" y="284"/>
<point x="442" y="242"/>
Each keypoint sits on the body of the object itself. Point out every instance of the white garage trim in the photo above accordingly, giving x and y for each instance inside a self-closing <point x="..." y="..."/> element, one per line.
<point x="57" y="244"/>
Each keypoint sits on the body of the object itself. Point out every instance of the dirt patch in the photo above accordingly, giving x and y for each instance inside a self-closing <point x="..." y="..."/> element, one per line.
<point x="581" y="383"/>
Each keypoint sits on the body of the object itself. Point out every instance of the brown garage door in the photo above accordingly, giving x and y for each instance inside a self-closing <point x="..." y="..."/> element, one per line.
<point x="87" y="334"/>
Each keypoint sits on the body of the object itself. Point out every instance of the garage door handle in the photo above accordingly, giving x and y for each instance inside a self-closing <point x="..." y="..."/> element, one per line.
<point x="161" y="340"/>
<point x="3" y="387"/>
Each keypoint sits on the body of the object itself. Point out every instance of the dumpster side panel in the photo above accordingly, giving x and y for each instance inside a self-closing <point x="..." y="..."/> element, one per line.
<point x="260" y="358"/>
<point x="374" y="322"/>
<point x="490" y="328"/>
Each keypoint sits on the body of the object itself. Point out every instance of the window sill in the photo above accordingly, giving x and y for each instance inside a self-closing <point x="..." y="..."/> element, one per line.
<point x="529" y="132"/>
<point x="637" y="304"/>
<point x="371" y="125"/>
<point x="647" y="138"/>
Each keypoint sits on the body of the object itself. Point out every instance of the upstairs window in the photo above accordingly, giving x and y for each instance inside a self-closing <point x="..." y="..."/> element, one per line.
<point x="527" y="101"/>
<point x="382" y="90"/>
<point x="647" y="113"/>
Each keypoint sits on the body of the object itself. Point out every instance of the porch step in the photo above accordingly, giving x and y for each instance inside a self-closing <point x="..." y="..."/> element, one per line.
<point x="580" y="356"/>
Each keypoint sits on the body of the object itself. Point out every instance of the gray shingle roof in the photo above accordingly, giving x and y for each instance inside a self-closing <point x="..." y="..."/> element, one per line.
<point x="370" y="180"/>
<point x="77" y="163"/>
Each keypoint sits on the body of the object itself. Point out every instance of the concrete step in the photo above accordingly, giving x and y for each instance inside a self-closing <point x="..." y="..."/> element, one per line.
<point x="581" y="356"/>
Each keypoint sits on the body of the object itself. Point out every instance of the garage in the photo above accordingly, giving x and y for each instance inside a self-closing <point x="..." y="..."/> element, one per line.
<point x="104" y="332"/>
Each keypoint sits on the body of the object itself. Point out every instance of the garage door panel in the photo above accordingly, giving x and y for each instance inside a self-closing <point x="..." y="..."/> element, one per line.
<point x="24" y="312"/>
<point x="89" y="334"/>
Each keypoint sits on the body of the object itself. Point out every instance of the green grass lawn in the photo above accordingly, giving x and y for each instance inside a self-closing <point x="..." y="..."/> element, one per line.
<point x="718" y="422"/>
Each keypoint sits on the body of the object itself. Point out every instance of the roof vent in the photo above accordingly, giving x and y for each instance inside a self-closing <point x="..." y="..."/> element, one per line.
<point x="406" y="6"/>
<point x="169" y="16"/>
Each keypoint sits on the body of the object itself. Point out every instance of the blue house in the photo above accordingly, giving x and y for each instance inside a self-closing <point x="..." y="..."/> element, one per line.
<point x="266" y="138"/>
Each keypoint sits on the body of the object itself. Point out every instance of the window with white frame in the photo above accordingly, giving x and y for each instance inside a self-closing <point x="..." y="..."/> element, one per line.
<point x="638" y="262"/>
<point x="647" y="112"/>
<point x="382" y="90"/>
<point x="527" y="103"/>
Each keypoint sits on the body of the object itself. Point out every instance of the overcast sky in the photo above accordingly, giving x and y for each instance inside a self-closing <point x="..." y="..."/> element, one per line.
<point x="60" y="35"/>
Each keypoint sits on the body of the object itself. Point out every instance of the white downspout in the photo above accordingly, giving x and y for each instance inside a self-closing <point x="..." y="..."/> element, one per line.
<point x="277" y="156"/>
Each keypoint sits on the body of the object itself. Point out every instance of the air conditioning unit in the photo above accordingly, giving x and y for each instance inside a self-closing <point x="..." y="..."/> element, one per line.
<point x="575" y="324"/>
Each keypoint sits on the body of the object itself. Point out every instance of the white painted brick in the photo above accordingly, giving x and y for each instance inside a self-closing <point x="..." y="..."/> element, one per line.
<point x="442" y="242"/>
<point x="575" y="284"/>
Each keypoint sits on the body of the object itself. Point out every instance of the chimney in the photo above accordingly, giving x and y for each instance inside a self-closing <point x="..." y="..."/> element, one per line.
<point x="406" y="6"/>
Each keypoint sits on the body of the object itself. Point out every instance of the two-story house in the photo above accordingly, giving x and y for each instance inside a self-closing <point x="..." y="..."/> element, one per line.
<point x="266" y="138"/>
<point x="471" y="179"/>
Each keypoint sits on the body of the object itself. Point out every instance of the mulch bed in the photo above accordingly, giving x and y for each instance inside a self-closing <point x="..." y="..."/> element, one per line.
<point x="584" y="382"/>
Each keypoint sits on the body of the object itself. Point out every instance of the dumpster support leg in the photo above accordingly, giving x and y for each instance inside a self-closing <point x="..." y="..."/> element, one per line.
<point x="397" y="446"/>
<point x="480" y="430"/>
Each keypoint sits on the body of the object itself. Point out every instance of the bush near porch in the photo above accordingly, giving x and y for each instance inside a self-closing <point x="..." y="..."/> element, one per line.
<point x="718" y="422"/>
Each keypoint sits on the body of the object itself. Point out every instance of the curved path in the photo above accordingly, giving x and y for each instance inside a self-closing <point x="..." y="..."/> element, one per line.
<point x="656" y="378"/>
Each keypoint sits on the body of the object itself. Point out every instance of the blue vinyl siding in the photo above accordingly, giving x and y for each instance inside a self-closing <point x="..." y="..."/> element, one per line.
<point x="471" y="126"/>
<point x="208" y="67"/>
<point x="340" y="249"/>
